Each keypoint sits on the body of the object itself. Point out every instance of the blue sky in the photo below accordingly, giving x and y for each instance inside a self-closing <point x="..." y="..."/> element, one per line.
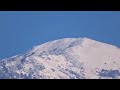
<point x="21" y="30"/>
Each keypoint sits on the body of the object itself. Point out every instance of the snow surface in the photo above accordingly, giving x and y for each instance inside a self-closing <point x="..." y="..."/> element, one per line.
<point x="68" y="58"/>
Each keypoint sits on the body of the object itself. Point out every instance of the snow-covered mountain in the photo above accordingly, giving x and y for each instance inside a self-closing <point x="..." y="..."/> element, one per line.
<point x="68" y="58"/>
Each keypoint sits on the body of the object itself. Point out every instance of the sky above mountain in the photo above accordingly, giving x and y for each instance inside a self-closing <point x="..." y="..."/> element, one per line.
<point x="21" y="30"/>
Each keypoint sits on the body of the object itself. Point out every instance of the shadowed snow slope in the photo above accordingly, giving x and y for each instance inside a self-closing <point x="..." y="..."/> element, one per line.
<point x="69" y="58"/>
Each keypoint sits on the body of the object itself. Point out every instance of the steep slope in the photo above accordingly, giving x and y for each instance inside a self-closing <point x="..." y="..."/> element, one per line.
<point x="69" y="58"/>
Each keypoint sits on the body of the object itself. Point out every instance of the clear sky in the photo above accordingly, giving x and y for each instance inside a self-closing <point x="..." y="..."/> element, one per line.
<point x="21" y="30"/>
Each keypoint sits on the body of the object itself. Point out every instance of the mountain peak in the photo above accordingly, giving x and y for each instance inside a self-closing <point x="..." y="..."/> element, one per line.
<point x="59" y="44"/>
<point x="69" y="58"/>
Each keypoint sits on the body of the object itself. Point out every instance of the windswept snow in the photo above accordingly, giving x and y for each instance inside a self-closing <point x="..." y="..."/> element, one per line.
<point x="68" y="58"/>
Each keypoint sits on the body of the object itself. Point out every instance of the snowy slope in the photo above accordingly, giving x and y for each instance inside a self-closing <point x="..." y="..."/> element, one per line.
<point x="68" y="58"/>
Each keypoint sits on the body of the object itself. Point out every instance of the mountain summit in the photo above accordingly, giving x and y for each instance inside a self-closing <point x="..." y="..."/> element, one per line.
<point x="68" y="58"/>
